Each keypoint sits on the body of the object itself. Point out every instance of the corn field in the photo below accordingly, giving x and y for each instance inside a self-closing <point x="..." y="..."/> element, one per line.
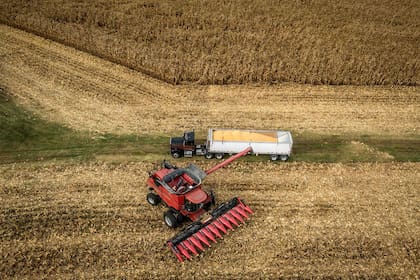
<point x="87" y="93"/>
<point x="236" y="42"/>
<point x="76" y="218"/>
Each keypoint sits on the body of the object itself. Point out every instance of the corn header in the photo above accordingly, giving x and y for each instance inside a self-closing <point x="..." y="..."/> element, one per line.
<point x="180" y="189"/>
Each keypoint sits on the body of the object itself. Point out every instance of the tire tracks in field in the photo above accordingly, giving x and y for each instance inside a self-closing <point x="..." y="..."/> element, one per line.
<point x="82" y="91"/>
<point x="94" y="215"/>
<point x="88" y="93"/>
<point x="82" y="75"/>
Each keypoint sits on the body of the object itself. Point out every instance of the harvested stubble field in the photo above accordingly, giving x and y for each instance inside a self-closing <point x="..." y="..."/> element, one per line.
<point x="233" y="42"/>
<point x="311" y="220"/>
<point x="88" y="93"/>
<point x="90" y="219"/>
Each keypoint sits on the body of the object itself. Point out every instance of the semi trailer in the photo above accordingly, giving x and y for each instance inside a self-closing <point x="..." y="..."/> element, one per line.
<point x="275" y="143"/>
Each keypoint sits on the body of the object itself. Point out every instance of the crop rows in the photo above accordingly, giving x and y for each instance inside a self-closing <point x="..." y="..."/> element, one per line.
<point x="75" y="219"/>
<point x="315" y="220"/>
<point x="219" y="42"/>
<point x="87" y="93"/>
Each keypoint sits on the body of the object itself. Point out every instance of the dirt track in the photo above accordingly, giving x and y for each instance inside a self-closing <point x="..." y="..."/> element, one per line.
<point x="86" y="92"/>
<point x="64" y="220"/>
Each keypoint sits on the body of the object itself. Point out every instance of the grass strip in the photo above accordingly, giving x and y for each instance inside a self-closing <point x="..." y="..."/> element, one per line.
<point x="26" y="137"/>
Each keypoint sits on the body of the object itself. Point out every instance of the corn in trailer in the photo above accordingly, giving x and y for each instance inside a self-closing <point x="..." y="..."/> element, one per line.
<point x="275" y="143"/>
<point x="180" y="189"/>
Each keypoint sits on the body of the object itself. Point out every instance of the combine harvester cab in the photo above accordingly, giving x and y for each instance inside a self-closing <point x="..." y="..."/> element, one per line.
<point x="181" y="191"/>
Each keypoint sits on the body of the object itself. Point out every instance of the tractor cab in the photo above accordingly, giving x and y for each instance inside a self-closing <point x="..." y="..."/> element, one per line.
<point x="183" y="180"/>
<point x="180" y="189"/>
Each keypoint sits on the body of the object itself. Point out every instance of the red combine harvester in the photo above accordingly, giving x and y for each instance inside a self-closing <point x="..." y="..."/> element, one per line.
<point x="181" y="190"/>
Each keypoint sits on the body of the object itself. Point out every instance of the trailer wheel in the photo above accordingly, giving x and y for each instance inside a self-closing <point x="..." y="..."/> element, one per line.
<point x="208" y="155"/>
<point x="170" y="219"/>
<point x="219" y="156"/>
<point x="274" y="157"/>
<point x="284" y="157"/>
<point x="176" y="154"/>
<point x="153" y="199"/>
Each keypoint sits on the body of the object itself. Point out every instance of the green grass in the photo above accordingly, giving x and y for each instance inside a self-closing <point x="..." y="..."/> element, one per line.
<point x="355" y="148"/>
<point x="313" y="147"/>
<point x="26" y="137"/>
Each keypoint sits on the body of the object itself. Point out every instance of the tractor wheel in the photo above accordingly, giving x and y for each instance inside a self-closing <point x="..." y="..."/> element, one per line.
<point x="211" y="203"/>
<point x="208" y="155"/>
<point x="181" y="218"/>
<point x="176" y="154"/>
<point x="219" y="156"/>
<point x="213" y="198"/>
<point x="153" y="199"/>
<point x="284" y="157"/>
<point x="170" y="219"/>
<point x="274" y="157"/>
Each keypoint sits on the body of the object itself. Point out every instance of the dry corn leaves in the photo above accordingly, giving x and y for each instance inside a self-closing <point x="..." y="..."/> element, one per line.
<point x="311" y="220"/>
<point x="85" y="92"/>
<point x="215" y="42"/>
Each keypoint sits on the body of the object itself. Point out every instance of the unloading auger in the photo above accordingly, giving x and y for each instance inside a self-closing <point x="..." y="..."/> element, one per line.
<point x="180" y="189"/>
